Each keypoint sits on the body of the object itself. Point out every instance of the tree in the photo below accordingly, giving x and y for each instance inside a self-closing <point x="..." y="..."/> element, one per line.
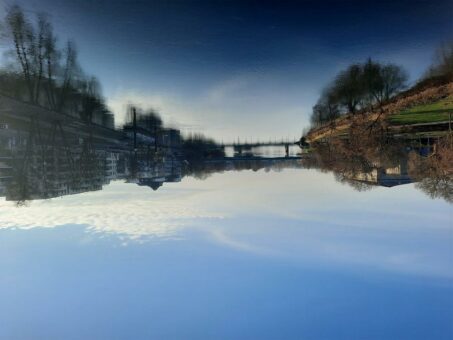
<point x="373" y="83"/>
<point x="51" y="60"/>
<point x="47" y="75"/>
<point x="357" y="87"/>
<point x="348" y="87"/>
<point x="326" y="109"/>
<point x="151" y="120"/>
<point x="381" y="82"/>
<point x="90" y="99"/>
<point x="23" y="36"/>
<point x="394" y="79"/>
<point x="38" y="57"/>
<point x="443" y="62"/>
<point x="70" y="68"/>
<point x="29" y="47"/>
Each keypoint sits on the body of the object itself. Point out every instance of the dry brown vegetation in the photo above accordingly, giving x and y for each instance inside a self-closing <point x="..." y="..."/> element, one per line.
<point x="377" y="116"/>
<point x="352" y="159"/>
<point x="435" y="172"/>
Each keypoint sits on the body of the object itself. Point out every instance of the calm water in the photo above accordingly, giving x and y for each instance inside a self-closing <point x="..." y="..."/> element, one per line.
<point x="260" y="254"/>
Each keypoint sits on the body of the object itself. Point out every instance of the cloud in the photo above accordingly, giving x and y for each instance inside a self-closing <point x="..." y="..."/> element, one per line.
<point x="122" y="209"/>
<point x="228" y="89"/>
<point x="239" y="106"/>
<point x="222" y="237"/>
<point x="294" y="215"/>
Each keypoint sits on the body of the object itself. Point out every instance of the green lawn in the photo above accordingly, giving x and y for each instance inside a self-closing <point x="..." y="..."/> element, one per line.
<point x="429" y="113"/>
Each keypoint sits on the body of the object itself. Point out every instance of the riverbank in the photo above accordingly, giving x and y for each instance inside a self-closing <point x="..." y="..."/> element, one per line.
<point x="421" y="111"/>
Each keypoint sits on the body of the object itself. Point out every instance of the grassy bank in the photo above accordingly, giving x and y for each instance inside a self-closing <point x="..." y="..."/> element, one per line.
<point x="438" y="111"/>
<point x="414" y="112"/>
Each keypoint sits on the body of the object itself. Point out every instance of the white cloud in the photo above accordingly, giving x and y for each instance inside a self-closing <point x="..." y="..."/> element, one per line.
<point x="123" y="209"/>
<point x="244" y="105"/>
<point x="228" y="89"/>
<point x="295" y="215"/>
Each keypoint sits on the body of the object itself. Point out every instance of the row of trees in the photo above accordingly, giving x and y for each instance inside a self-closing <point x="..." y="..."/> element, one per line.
<point x="361" y="87"/>
<point x="358" y="87"/>
<point x="43" y="73"/>
<point x="198" y="147"/>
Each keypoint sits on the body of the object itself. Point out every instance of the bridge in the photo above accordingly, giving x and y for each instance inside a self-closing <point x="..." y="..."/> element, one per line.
<point x="239" y="147"/>
<point x="257" y="144"/>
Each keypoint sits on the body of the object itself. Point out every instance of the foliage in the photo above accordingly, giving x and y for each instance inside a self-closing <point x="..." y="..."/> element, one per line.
<point x="443" y="62"/>
<point x="435" y="172"/>
<point x="149" y="119"/>
<point x="44" y="74"/>
<point x="197" y="146"/>
<point x="357" y="88"/>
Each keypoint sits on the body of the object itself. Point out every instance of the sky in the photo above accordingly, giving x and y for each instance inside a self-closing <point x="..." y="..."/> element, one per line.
<point x="211" y="259"/>
<point x="321" y="218"/>
<point x="248" y="69"/>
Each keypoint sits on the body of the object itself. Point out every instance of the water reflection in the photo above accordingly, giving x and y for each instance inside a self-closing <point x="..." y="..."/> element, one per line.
<point x="181" y="222"/>
<point x="47" y="158"/>
<point x="389" y="162"/>
<point x="46" y="155"/>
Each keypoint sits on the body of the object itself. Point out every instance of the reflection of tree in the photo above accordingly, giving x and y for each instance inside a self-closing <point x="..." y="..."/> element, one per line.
<point x="437" y="187"/>
<point x="19" y="188"/>
<point x="345" y="160"/>
<point x="435" y="172"/>
<point x="356" y="185"/>
<point x="51" y="165"/>
<point x="197" y="147"/>
<point x="362" y="158"/>
<point x="202" y="169"/>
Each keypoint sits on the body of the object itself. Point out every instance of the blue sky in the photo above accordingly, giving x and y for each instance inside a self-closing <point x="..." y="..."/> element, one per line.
<point x="245" y="255"/>
<point x="323" y="221"/>
<point x="240" y="68"/>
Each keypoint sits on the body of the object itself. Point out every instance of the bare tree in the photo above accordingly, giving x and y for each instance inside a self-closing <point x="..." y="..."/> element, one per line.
<point x="373" y="83"/>
<point x="38" y="55"/>
<point x="30" y="48"/>
<point x="382" y="81"/>
<point x="22" y="34"/>
<point x="90" y="98"/>
<point x="394" y="79"/>
<point x="69" y="70"/>
<point x="326" y="109"/>
<point x="443" y="62"/>
<point x="51" y="59"/>
<point x="349" y="88"/>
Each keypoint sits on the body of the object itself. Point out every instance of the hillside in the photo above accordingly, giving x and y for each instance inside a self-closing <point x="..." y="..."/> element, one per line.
<point x="417" y="111"/>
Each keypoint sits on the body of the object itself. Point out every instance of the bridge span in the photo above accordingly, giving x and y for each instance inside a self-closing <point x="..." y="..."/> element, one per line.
<point x="257" y="144"/>
<point x="239" y="147"/>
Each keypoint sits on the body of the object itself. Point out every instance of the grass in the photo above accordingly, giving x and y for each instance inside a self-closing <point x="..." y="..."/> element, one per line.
<point x="428" y="113"/>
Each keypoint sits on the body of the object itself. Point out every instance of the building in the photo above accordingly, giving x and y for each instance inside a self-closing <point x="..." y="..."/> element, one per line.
<point x="385" y="177"/>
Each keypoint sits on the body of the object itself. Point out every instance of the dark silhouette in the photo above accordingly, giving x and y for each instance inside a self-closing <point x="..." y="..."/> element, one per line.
<point x="358" y="88"/>
<point x="44" y="74"/>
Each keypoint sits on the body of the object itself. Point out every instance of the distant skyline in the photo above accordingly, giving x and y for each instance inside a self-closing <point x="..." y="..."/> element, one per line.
<point x="243" y="69"/>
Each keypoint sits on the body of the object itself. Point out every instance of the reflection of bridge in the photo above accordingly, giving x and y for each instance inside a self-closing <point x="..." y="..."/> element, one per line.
<point x="252" y="158"/>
